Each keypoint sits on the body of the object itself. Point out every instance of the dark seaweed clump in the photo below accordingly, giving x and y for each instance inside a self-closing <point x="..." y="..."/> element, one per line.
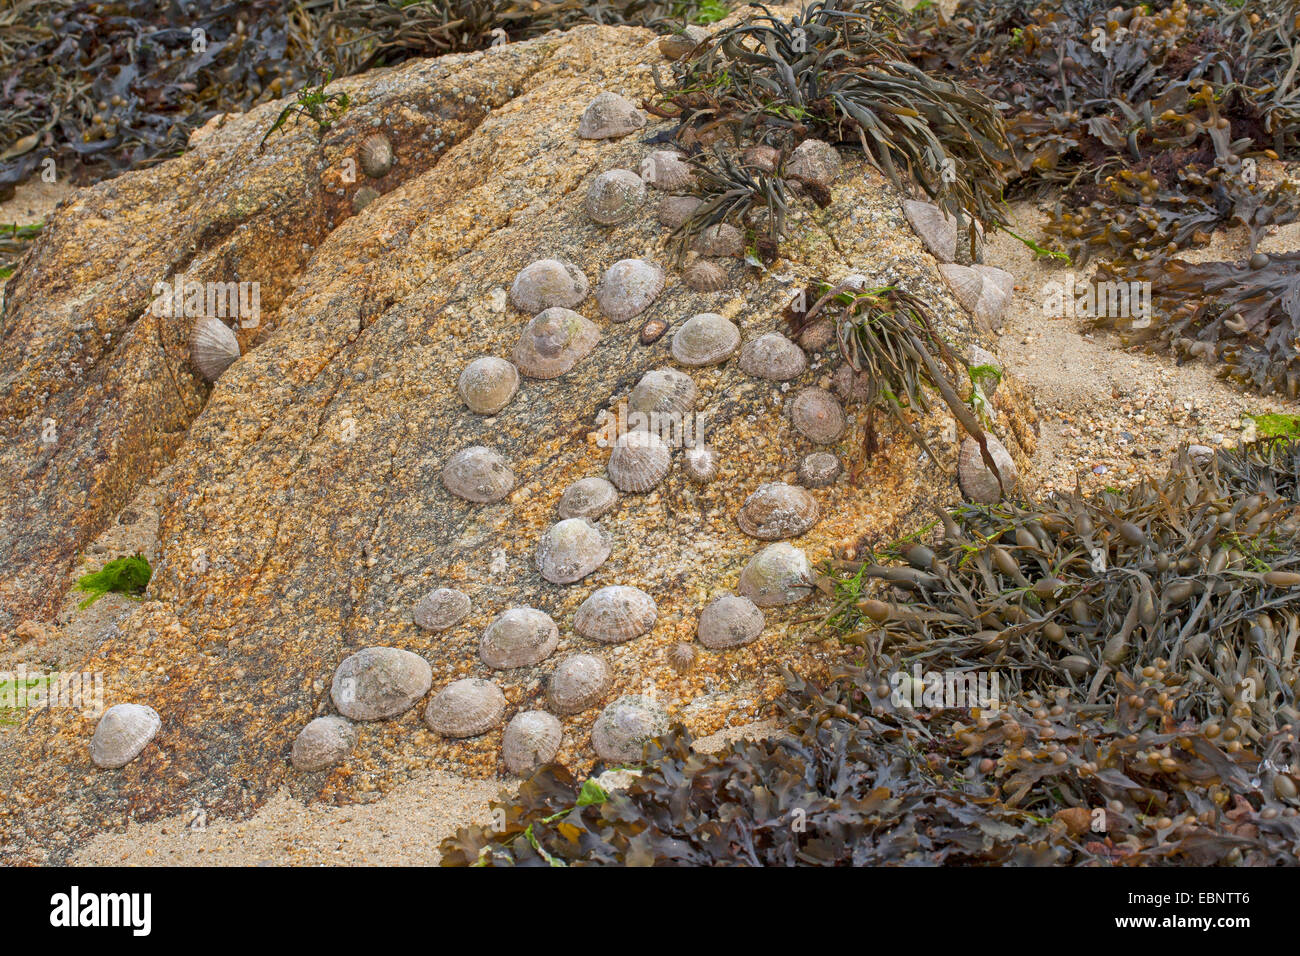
<point x="1155" y="125"/>
<point x="105" y="87"/>
<point x="834" y="72"/>
<point x="1147" y="718"/>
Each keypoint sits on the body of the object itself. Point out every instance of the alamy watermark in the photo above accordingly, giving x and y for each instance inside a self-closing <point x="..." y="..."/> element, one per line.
<point x="192" y="299"/>
<point x="22" y="689"/>
<point x="1070" y="298"/>
<point x="947" y="690"/>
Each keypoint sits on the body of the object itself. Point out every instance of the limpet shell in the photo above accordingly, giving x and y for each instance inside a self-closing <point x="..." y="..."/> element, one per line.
<point x="666" y="169"/>
<point x="363" y="197"/>
<point x="818" y="469"/>
<point x="705" y="339"/>
<point x="705" y="275"/>
<point x="980" y="356"/>
<point x="984" y="291"/>
<point x="620" y="732"/>
<point x="815" y="161"/>
<point x="675" y="210"/>
<point x="764" y="158"/>
<point x="653" y="330"/>
<point x="579" y="682"/>
<point x="519" y="637"/>
<point x="587" y="498"/>
<point x="531" y="739"/>
<point x="487" y="384"/>
<point x="639" y="461"/>
<point x="777" y="510"/>
<point x="936" y="229"/>
<point x="546" y="283"/>
<point x="729" y="621"/>
<point x="466" y="708"/>
<point x="681" y="657"/>
<point x="614" y="197"/>
<point x="817" y="415"/>
<point x="553" y="342"/>
<point x="627" y="288"/>
<point x="700" y="462"/>
<point x="376" y="156"/>
<point x="664" y="391"/>
<point x="615" y="614"/>
<point x="609" y="116"/>
<point x="976" y="481"/>
<point x="677" y="45"/>
<point x="779" y="574"/>
<point x="441" y="609"/>
<point x="322" y="743"/>
<point x="571" y="549"/>
<point x="380" y="682"/>
<point x="123" y="731"/>
<point x="478" y="474"/>
<point x="721" y="240"/>
<point x="213" y="347"/>
<point x="851" y="386"/>
<point x="773" y="357"/>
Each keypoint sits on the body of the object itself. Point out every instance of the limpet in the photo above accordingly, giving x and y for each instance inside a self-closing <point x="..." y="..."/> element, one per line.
<point x="380" y="682"/>
<point x="705" y="275"/>
<point x="705" y="339"/>
<point x="553" y="342"/>
<point x="441" y="609"/>
<point x="936" y="229"/>
<point x="666" y="169"/>
<point x="817" y="415"/>
<point x="773" y="357"/>
<point x="579" y="682"/>
<point x="779" y="574"/>
<point x="664" y="391"/>
<point x="322" y="743"/>
<point x="376" y="155"/>
<point x="976" y="480"/>
<point x="614" y="197"/>
<point x="519" y="637"/>
<point x="615" y="614"/>
<point x="571" y="549"/>
<point x="609" y="116"/>
<point x="700" y="462"/>
<point x="819" y="468"/>
<point x="487" y="384"/>
<point x="639" y="461"/>
<point x="627" y="288"/>
<point x="466" y="708"/>
<point x="122" y="733"/>
<point x="546" y="283"/>
<point x="729" y="621"/>
<point x="531" y="739"/>
<point x="620" y="732"/>
<point x="213" y="347"/>
<point x="478" y="474"/>
<point x="587" y="498"/>
<point x="777" y="510"/>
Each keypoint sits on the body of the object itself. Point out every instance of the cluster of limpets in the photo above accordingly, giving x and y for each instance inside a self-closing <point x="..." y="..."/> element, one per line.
<point x="380" y="682"/>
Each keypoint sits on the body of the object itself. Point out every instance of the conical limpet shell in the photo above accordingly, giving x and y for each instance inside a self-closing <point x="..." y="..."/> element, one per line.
<point x="639" y="461"/>
<point x="487" y="384"/>
<point x="723" y="239"/>
<point x="627" y="288"/>
<point x="122" y="733"/>
<point x="614" y="197"/>
<point x="705" y="275"/>
<point x="773" y="357"/>
<point x="764" y="158"/>
<point x="571" y="549"/>
<point x="466" y="708"/>
<point x="553" y="342"/>
<point x="519" y="637"/>
<point x="587" y="498"/>
<point x="213" y="347"/>
<point x="376" y="155"/>
<point x="546" y="283"/>
<point x="616" y="614"/>
<point x="666" y="169"/>
<point x="322" y="743"/>
<point x="675" y="210"/>
<point x="700" y="462"/>
<point x="379" y="682"/>
<point x="976" y="481"/>
<point x="620" y="732"/>
<point x="478" y="474"/>
<point x="777" y="510"/>
<point x="681" y="657"/>
<point x="729" y="621"/>
<point x="852" y="386"/>
<point x="579" y="682"/>
<point x="984" y="291"/>
<point x="609" y="116"/>
<point x="677" y="45"/>
<point x="531" y="739"/>
<point x="818" y="469"/>
<point x="664" y="391"/>
<point x="936" y="230"/>
<point x="779" y="574"/>
<point x="653" y="330"/>
<point x="705" y="339"/>
<point x="982" y="357"/>
<point x="815" y="161"/>
<point x="441" y="609"/>
<point x="817" y="415"/>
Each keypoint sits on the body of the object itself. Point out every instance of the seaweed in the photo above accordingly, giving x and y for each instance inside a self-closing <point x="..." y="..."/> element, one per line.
<point x="732" y="192"/>
<point x="129" y="576"/>
<point x="315" y="104"/>
<point x="833" y="72"/>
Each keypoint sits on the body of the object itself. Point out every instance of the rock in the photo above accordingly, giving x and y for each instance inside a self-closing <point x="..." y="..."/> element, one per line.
<point x="122" y="733"/>
<point x="322" y="743"/>
<point x="814" y="161"/>
<point x="380" y="682"/>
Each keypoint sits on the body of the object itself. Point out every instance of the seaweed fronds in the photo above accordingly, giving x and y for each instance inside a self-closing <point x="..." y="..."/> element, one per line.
<point x="748" y="198"/>
<point x="129" y="576"/>
<point x="313" y="102"/>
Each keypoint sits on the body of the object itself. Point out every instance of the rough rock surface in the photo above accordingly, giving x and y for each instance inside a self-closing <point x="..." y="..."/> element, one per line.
<point x="302" y="517"/>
